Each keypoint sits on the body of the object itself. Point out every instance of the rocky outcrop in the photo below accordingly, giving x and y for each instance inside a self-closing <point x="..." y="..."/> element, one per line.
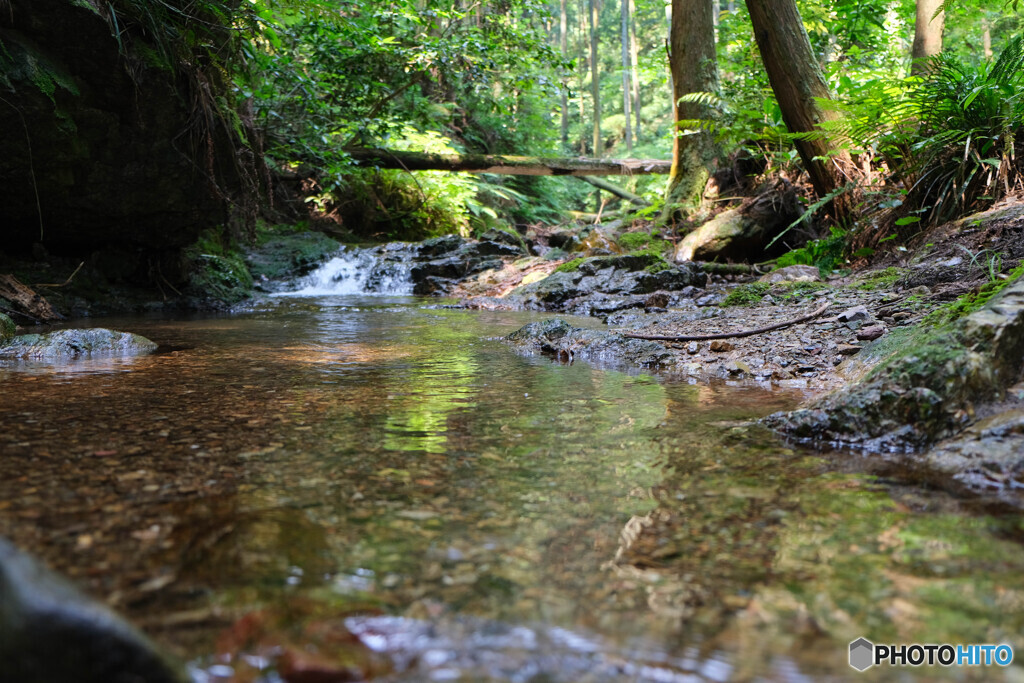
<point x="442" y="262"/>
<point x="65" y="344"/>
<point x="51" y="633"/>
<point x="927" y="386"/>
<point x="630" y="274"/>
<point x="561" y="340"/>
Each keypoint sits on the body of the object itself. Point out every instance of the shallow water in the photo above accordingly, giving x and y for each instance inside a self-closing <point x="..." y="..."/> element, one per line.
<point x="382" y="487"/>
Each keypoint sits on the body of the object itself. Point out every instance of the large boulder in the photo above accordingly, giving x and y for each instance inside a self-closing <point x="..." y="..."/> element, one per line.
<point x="442" y="262"/>
<point x="52" y="633"/>
<point x="926" y="387"/>
<point x="65" y="344"/>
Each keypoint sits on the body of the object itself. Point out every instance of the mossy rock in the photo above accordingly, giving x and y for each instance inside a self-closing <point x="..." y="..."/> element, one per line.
<point x="7" y="329"/>
<point x="289" y="256"/>
<point x="65" y="344"/>
<point x="928" y="385"/>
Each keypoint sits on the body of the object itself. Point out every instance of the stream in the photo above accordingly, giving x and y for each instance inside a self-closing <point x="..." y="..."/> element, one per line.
<point x="377" y="485"/>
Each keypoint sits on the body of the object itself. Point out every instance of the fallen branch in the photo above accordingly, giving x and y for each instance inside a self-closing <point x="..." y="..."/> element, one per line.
<point x="615" y="190"/>
<point x="731" y="335"/>
<point x="66" y="282"/>
<point x="27" y="300"/>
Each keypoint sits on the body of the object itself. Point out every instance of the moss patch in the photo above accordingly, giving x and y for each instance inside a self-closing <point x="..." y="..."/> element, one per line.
<point x="217" y="270"/>
<point x="570" y="266"/>
<point x="970" y="302"/>
<point x="7" y="329"/>
<point x="746" y="295"/>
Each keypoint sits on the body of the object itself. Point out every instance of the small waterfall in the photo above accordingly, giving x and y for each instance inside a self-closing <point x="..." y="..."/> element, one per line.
<point x="383" y="271"/>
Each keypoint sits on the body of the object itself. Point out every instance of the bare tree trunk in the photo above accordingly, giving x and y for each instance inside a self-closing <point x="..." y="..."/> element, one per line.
<point x="582" y="42"/>
<point x="595" y="82"/>
<point x="563" y="44"/>
<point x="694" y="69"/>
<point x="927" y="34"/>
<point x="798" y="84"/>
<point x="986" y="39"/>
<point x="635" y="61"/>
<point x="626" y="74"/>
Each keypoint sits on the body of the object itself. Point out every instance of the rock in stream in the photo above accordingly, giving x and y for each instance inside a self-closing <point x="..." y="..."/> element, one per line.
<point x="51" y="633"/>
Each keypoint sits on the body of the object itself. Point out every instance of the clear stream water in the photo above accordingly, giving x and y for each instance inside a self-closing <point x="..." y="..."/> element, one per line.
<point x="380" y="486"/>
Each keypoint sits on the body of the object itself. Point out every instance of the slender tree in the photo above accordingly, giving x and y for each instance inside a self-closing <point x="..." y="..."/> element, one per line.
<point x="635" y="61"/>
<point x="694" y="69"/>
<point x="799" y="86"/>
<point x="563" y="44"/>
<point x="582" y="42"/>
<point x="627" y="75"/>
<point x="595" y="81"/>
<point x="927" y="34"/>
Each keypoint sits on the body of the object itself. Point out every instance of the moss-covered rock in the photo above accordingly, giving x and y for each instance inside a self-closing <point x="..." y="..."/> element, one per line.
<point x="926" y="388"/>
<point x="7" y="329"/>
<point x="77" y="343"/>
<point x="288" y="256"/>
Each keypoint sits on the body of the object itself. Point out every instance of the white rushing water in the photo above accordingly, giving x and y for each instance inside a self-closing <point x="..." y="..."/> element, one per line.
<point x="384" y="271"/>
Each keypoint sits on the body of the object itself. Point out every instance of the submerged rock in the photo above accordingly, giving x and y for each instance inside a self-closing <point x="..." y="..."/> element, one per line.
<point x="558" y="338"/>
<point x="74" y="343"/>
<point x="51" y="633"/>
<point x="927" y="385"/>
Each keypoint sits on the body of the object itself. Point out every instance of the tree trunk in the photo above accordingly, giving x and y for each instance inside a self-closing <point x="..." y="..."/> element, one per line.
<point x="798" y="83"/>
<point x="927" y="34"/>
<point x="563" y="44"/>
<point x="595" y="82"/>
<point x="626" y="75"/>
<point x="635" y="61"/>
<point x="986" y="39"/>
<point x="582" y="42"/>
<point x="694" y="69"/>
<point x="506" y="165"/>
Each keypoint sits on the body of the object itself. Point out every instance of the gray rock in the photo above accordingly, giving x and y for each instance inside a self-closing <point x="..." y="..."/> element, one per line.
<point x="625" y="275"/>
<point x="76" y="343"/>
<point x="798" y="273"/>
<point x="853" y="314"/>
<point x="51" y="633"/>
<point x="558" y="338"/>
<point x="986" y="458"/>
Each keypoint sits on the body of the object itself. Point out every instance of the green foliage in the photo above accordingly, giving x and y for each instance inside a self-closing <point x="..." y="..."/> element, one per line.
<point x="746" y="295"/>
<point x="7" y="329"/>
<point x="962" y="155"/>
<point x="217" y="269"/>
<point x="825" y="253"/>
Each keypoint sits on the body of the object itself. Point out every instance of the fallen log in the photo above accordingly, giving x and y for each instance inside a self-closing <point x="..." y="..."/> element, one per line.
<point x="615" y="190"/>
<point x="506" y="165"/>
<point x="26" y="301"/>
